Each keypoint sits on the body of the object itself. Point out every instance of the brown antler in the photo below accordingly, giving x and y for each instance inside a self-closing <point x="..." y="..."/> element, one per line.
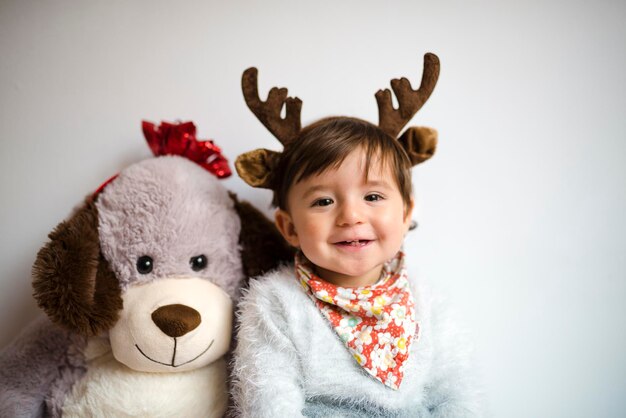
<point x="268" y="112"/>
<point x="410" y="101"/>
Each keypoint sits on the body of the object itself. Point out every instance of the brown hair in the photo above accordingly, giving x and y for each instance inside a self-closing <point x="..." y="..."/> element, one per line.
<point x="326" y="143"/>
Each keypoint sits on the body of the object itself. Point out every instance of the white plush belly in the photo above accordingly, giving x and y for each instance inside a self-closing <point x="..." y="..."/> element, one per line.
<point x="110" y="389"/>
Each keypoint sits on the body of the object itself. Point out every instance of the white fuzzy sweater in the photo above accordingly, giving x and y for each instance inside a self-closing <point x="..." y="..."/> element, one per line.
<point x="290" y="363"/>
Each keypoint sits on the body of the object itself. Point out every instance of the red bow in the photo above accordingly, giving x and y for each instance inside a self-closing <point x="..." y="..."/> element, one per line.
<point x="180" y="139"/>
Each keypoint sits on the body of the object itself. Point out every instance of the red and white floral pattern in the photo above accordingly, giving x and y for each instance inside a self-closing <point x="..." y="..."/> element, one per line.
<point x="376" y="323"/>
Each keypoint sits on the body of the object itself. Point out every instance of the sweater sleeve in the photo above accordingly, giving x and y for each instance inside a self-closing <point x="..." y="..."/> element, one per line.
<point x="453" y="390"/>
<point x="266" y="370"/>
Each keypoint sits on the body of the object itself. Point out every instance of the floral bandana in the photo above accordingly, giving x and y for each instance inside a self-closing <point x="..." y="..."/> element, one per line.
<point x="376" y="323"/>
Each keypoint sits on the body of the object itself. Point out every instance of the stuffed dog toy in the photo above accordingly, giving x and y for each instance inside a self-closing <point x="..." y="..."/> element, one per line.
<point x="138" y="286"/>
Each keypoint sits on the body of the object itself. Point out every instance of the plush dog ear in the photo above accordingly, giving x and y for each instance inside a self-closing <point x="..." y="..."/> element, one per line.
<point x="72" y="281"/>
<point x="262" y="247"/>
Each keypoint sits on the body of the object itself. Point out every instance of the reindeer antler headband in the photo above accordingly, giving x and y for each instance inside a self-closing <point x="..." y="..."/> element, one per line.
<point x="254" y="167"/>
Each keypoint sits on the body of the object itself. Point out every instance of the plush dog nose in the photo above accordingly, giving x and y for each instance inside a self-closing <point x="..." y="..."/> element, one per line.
<point x="176" y="320"/>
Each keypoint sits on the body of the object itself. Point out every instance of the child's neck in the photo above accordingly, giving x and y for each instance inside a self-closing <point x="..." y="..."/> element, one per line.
<point x="343" y="280"/>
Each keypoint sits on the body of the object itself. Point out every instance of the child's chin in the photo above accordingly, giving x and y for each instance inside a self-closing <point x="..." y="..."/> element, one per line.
<point x="356" y="277"/>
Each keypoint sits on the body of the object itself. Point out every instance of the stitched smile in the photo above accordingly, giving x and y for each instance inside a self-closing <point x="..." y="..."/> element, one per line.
<point x="174" y="355"/>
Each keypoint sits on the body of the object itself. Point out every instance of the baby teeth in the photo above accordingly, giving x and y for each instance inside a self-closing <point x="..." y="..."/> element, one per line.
<point x="354" y="243"/>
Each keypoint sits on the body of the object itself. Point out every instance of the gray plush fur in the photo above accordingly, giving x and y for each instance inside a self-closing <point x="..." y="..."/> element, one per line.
<point x="290" y="363"/>
<point x="41" y="353"/>
<point x="149" y="209"/>
<point x="168" y="208"/>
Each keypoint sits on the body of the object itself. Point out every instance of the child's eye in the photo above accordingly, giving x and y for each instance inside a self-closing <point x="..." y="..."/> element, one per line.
<point x="373" y="197"/>
<point x="323" y="202"/>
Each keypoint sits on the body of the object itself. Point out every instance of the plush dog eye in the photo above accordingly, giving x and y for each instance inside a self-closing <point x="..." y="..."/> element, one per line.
<point x="198" y="262"/>
<point x="145" y="264"/>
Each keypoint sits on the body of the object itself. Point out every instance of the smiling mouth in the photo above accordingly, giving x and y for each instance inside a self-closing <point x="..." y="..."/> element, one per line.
<point x="174" y="355"/>
<point x="354" y="243"/>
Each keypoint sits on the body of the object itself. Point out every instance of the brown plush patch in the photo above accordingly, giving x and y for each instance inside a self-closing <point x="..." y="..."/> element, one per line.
<point x="419" y="143"/>
<point x="72" y="282"/>
<point x="262" y="247"/>
<point x="255" y="167"/>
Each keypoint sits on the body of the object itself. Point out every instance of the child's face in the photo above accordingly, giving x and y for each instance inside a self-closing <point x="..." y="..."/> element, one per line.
<point x="344" y="224"/>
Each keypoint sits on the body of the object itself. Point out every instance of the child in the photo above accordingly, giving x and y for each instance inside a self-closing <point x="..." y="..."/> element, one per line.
<point x="345" y="331"/>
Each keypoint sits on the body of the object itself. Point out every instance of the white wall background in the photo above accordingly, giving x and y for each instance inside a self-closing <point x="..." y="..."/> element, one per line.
<point x="522" y="212"/>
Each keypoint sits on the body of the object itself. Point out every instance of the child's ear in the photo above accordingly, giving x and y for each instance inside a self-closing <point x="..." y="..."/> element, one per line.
<point x="285" y="225"/>
<point x="408" y="213"/>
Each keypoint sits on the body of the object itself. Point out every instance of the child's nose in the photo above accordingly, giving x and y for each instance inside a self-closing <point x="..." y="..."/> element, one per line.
<point x="349" y="214"/>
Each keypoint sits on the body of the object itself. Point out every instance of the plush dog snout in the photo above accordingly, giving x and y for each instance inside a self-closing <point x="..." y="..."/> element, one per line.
<point x="176" y="320"/>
